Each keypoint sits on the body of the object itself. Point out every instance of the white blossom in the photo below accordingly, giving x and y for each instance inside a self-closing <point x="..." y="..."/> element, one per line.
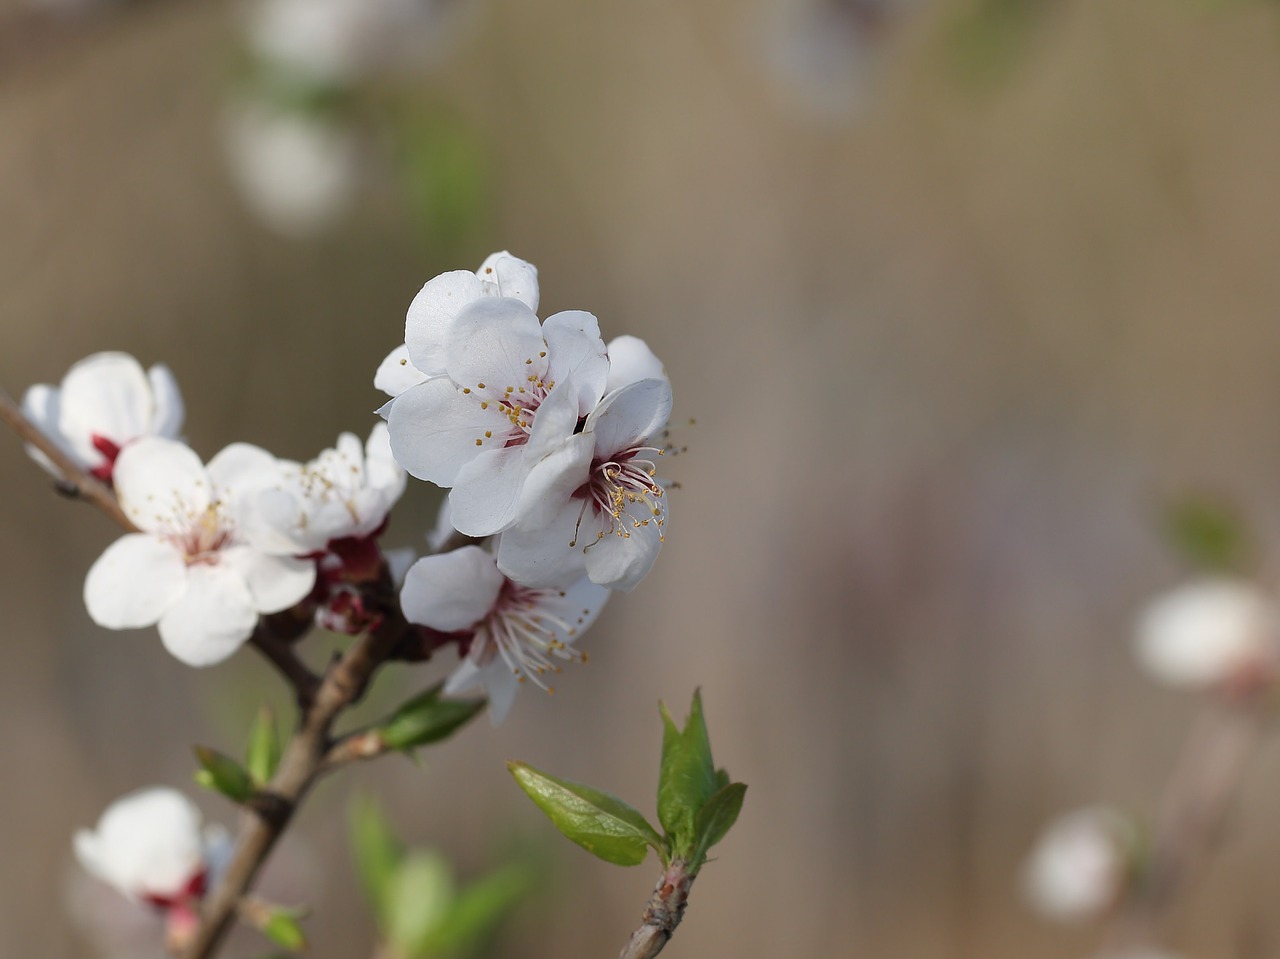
<point x="1209" y="634"/>
<point x="105" y="402"/>
<point x="593" y="502"/>
<point x="517" y="634"/>
<point x="151" y="846"/>
<point x="511" y="390"/>
<point x="345" y="492"/>
<point x="1078" y="866"/>
<point x="192" y="569"/>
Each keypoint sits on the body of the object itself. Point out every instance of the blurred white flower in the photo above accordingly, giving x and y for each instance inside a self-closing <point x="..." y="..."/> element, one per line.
<point x="105" y="402"/>
<point x="1212" y="633"/>
<point x="1078" y="866"/>
<point x="823" y="54"/>
<point x="152" y="847"/>
<point x="297" y="172"/>
<point x="335" y="41"/>
<point x="192" y="569"/>
<point x="517" y="633"/>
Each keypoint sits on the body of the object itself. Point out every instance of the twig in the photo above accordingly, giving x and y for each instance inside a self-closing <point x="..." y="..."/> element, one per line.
<point x="662" y="914"/>
<point x="305" y="683"/>
<point x="75" y="481"/>
<point x="1189" y="824"/>
<point x="343" y="684"/>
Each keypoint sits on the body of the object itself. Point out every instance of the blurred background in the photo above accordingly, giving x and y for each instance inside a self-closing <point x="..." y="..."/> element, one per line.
<point x="961" y="295"/>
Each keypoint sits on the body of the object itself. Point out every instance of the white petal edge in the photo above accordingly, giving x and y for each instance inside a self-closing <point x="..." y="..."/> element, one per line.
<point x="451" y="591"/>
<point x="135" y="581"/>
<point x="212" y="620"/>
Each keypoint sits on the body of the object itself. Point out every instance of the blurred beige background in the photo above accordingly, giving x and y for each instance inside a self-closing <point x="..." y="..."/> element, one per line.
<point x="949" y="356"/>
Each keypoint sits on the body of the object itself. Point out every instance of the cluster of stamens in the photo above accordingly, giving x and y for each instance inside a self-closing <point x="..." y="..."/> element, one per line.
<point x="530" y="636"/>
<point x="625" y="495"/>
<point x="518" y="404"/>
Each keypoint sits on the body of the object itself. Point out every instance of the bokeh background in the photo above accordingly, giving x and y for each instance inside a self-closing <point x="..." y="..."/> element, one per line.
<point x="961" y="295"/>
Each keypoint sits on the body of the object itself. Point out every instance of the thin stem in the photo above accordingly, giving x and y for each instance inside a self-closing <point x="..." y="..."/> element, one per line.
<point x="343" y="684"/>
<point x="1193" y="810"/>
<point x="75" y="481"/>
<point x="305" y="683"/>
<point x="662" y="913"/>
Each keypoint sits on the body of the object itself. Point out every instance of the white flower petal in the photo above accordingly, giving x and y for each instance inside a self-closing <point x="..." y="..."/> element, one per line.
<point x="212" y="619"/>
<point x="397" y="373"/>
<point x="435" y="427"/>
<point x="275" y="582"/>
<point x="161" y="484"/>
<point x="242" y="468"/>
<point x="552" y="482"/>
<point x="620" y="562"/>
<point x="40" y="406"/>
<point x="384" y="473"/>
<point x="108" y="395"/>
<point x="431" y="315"/>
<point x="485" y="492"/>
<point x="630" y="416"/>
<point x="556" y="419"/>
<point x="497" y="342"/>
<point x="136" y="580"/>
<point x="146" y="843"/>
<point x="168" y="411"/>
<point x="511" y="276"/>
<point x="575" y="347"/>
<point x="544" y="557"/>
<point x="452" y="591"/>
<point x="630" y="361"/>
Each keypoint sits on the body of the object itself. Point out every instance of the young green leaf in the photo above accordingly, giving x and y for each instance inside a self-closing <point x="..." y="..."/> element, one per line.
<point x="377" y="852"/>
<point x="419" y="896"/>
<point x="477" y="911"/>
<point x="427" y="719"/>
<point x="220" y="773"/>
<point x="688" y="777"/>
<point x="283" y="929"/>
<point x="598" y="821"/>
<point x="715" y="819"/>
<point x="263" y="755"/>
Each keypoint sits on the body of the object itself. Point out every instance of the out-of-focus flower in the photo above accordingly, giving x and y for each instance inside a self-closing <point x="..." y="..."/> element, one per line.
<point x="152" y="847"/>
<point x="592" y="502"/>
<point x="1212" y="633"/>
<point x="516" y="633"/>
<point x="513" y="390"/>
<point x="193" y="569"/>
<point x="297" y="172"/>
<point x="335" y="41"/>
<point x="823" y="54"/>
<point x="1079" y="865"/>
<point x="105" y="402"/>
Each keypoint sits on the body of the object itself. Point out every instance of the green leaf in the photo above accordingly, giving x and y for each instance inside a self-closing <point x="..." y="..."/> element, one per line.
<point x="716" y="818"/>
<point x="1208" y="533"/>
<point x="477" y="911"/>
<point x="419" y="896"/>
<point x="283" y="929"/>
<point x="427" y="719"/>
<point x="598" y="821"/>
<point x="378" y="853"/>
<point x="220" y="773"/>
<point x="688" y="777"/>
<point x="263" y="754"/>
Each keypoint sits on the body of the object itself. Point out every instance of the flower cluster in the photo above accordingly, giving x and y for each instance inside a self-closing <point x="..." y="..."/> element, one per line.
<point x="546" y="437"/>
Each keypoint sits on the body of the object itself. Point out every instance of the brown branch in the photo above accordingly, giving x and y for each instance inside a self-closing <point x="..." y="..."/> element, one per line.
<point x="662" y="913"/>
<point x="1189" y="824"/>
<point x="343" y="684"/>
<point x="75" y="481"/>
<point x="298" y="674"/>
